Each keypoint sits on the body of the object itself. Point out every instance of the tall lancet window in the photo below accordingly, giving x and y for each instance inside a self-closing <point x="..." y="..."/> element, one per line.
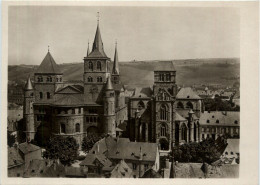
<point x="99" y="67"/>
<point x="163" y="112"/>
<point x="90" y="66"/>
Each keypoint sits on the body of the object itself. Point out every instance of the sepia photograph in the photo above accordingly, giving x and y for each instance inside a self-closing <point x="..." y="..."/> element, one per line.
<point x="123" y="92"/>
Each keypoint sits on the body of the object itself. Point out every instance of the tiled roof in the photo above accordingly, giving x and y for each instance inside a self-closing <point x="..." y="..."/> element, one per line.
<point x="224" y="118"/>
<point x="165" y="66"/>
<point x="48" y="65"/>
<point x="68" y="100"/>
<point x="187" y="93"/>
<point x="90" y="158"/>
<point x="28" y="147"/>
<point x="14" y="159"/>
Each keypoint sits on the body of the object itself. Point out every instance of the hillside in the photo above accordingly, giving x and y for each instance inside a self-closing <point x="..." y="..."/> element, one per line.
<point x="139" y="73"/>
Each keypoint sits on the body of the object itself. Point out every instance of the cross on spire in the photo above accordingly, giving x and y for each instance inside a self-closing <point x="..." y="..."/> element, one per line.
<point x="48" y="48"/>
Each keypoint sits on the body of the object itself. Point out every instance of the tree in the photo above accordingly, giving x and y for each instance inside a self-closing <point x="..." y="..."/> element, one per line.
<point x="10" y="139"/>
<point x="63" y="148"/>
<point x="89" y="141"/>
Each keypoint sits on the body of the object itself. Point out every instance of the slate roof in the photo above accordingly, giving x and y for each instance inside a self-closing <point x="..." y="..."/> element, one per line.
<point x="178" y="117"/>
<point x="90" y="158"/>
<point x="115" y="65"/>
<point x="27" y="147"/>
<point x="109" y="84"/>
<point x="14" y="159"/>
<point x="165" y="66"/>
<point x="28" y="85"/>
<point x="187" y="93"/>
<point x="121" y="170"/>
<point x="68" y="100"/>
<point x="48" y="65"/>
<point x="227" y="119"/>
<point x="142" y="92"/>
<point x="133" y="151"/>
<point x="97" y="49"/>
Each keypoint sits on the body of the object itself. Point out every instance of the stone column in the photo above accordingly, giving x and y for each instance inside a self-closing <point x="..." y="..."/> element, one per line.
<point x="146" y="132"/>
<point x="180" y="134"/>
<point x="191" y="132"/>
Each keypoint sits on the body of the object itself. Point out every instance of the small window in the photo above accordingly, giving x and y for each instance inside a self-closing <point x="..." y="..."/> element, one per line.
<point x="79" y="110"/>
<point x="226" y="153"/>
<point x="207" y="121"/>
<point x="99" y="67"/>
<point x="60" y="79"/>
<point x="90" y="66"/>
<point x="145" y="167"/>
<point x="57" y="79"/>
<point x="41" y="95"/>
<point x="111" y="94"/>
<point x="236" y="122"/>
<point x="62" y="128"/>
<point x="217" y="121"/>
<point x="33" y="171"/>
<point x="90" y="79"/>
<point x="77" y="127"/>
<point x="18" y="175"/>
<point x="48" y="95"/>
<point x="87" y="119"/>
<point x="213" y="116"/>
<point x="73" y="111"/>
<point x="99" y="79"/>
<point x="231" y="153"/>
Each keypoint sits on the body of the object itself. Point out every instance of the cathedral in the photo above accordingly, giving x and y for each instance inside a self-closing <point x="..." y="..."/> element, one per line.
<point x="96" y="105"/>
<point x="160" y="114"/>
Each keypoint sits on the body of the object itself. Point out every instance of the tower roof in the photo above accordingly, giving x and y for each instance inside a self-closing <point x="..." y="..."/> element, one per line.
<point x="88" y="49"/>
<point x="115" y="66"/>
<point x="97" y="49"/>
<point x="28" y="85"/>
<point x="109" y="84"/>
<point x="49" y="65"/>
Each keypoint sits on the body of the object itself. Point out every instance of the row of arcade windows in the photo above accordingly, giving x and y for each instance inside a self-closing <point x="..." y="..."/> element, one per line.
<point x="99" y="79"/>
<point x="63" y="128"/>
<point x="99" y="66"/>
<point x="48" y="95"/>
<point x="66" y="111"/>
<point x="92" y="119"/>
<point x="164" y="77"/>
<point x="48" y="79"/>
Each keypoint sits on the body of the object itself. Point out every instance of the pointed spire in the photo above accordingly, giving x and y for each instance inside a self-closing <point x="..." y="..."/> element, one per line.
<point x="28" y="85"/>
<point x="97" y="49"/>
<point x="109" y="84"/>
<point x="48" y="65"/>
<point x="88" y="49"/>
<point x="115" y="66"/>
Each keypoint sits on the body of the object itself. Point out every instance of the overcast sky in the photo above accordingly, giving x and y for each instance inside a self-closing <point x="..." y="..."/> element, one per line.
<point x="142" y="33"/>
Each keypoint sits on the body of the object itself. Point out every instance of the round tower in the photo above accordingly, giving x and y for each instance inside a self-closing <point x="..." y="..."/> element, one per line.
<point x="109" y="109"/>
<point x="28" y="113"/>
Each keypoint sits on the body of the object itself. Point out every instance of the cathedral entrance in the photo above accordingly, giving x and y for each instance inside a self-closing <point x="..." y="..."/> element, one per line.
<point x="164" y="144"/>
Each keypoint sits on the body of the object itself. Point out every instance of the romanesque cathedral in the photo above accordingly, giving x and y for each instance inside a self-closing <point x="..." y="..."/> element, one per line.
<point x="163" y="114"/>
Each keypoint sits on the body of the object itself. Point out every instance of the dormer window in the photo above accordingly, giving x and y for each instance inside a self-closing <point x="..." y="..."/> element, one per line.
<point x="207" y="121"/>
<point x="217" y="121"/>
<point x="236" y="122"/>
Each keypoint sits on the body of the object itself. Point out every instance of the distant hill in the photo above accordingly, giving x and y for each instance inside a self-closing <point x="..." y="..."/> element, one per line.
<point x="140" y="73"/>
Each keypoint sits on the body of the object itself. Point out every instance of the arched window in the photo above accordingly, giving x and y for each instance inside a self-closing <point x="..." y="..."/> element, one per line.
<point x="180" y="105"/>
<point x="62" y="128"/>
<point x="140" y="105"/>
<point x="168" y="77"/>
<point x="90" y="79"/>
<point x="163" y="112"/>
<point x="48" y="95"/>
<point x="77" y="127"/>
<point x="217" y="121"/>
<point x="60" y="79"/>
<point x="162" y="77"/>
<point x="163" y="130"/>
<point x="184" y="132"/>
<point x="41" y="95"/>
<point x="99" y="67"/>
<point x="40" y="79"/>
<point x="90" y="66"/>
<point x="99" y="79"/>
<point x="189" y="105"/>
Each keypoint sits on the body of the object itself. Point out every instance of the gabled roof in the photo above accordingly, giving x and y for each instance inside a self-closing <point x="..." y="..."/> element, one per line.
<point x="90" y="159"/>
<point x="28" y="85"/>
<point x="68" y="100"/>
<point x="48" y="65"/>
<point x="69" y="89"/>
<point x="97" y="49"/>
<point x="121" y="170"/>
<point x="142" y="92"/>
<point x="187" y="93"/>
<point x="224" y="118"/>
<point x="27" y="147"/>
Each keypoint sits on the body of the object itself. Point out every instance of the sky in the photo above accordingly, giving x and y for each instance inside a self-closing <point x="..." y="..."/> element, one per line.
<point x="142" y="33"/>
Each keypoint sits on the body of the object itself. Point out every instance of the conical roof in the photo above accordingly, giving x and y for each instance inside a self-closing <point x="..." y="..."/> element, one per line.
<point x="109" y="84"/>
<point x="28" y="85"/>
<point x="88" y="49"/>
<point x="49" y="65"/>
<point x="97" y="49"/>
<point x="115" y="66"/>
